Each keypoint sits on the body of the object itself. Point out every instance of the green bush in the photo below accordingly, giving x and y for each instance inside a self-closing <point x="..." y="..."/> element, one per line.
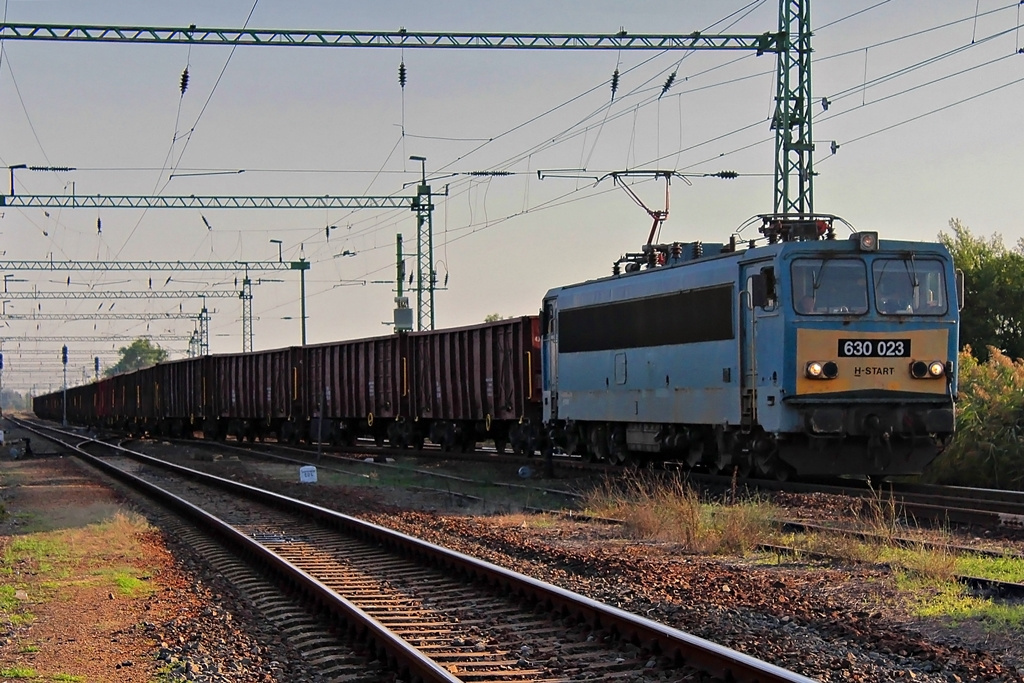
<point x="988" y="449"/>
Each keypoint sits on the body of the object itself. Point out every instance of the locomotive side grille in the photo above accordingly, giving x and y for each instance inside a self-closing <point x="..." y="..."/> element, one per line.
<point x="689" y="317"/>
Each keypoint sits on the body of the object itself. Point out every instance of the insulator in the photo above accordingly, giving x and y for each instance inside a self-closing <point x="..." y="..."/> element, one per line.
<point x="668" y="84"/>
<point x="184" y="80"/>
<point x="615" y="268"/>
<point x="99" y="227"/>
<point x="615" y="82"/>
<point x="698" y="249"/>
<point x="401" y="75"/>
<point x="446" y="279"/>
<point x="677" y="250"/>
<point x="727" y="175"/>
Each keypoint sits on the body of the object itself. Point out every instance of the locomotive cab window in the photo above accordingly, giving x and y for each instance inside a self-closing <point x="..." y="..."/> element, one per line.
<point x="835" y="286"/>
<point x="909" y="286"/>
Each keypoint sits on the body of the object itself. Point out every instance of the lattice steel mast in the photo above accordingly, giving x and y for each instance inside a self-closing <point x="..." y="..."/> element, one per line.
<point x="245" y="294"/>
<point x="794" y="146"/>
<point x="791" y="119"/>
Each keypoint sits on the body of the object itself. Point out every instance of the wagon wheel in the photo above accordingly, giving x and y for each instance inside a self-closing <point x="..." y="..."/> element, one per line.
<point x="572" y="442"/>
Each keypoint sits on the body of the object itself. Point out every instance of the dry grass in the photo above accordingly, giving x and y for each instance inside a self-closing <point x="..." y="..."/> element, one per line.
<point x="672" y="511"/>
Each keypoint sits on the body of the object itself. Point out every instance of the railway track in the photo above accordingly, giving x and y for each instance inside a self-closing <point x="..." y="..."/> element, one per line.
<point x="942" y="505"/>
<point x="432" y="614"/>
<point x="345" y="464"/>
<point x="939" y="505"/>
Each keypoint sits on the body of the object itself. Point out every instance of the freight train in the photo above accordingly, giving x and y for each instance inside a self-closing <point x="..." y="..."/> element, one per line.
<point x="798" y="353"/>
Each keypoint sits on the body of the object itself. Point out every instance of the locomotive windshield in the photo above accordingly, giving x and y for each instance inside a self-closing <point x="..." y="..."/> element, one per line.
<point x="830" y="286"/>
<point x="909" y="286"/>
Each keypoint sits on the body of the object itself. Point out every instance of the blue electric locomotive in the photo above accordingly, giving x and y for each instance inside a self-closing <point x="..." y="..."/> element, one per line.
<point x="809" y="355"/>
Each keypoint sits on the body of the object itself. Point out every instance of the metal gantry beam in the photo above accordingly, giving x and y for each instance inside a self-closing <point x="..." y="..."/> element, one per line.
<point x="63" y="201"/>
<point x="145" y="294"/>
<point x="209" y="266"/>
<point x="165" y="266"/>
<point x="96" y="338"/>
<point x="67" y="317"/>
<point x="74" y="353"/>
<point x="760" y="42"/>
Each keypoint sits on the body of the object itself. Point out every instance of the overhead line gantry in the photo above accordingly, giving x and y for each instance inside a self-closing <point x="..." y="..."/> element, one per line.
<point x="68" y="317"/>
<point x="144" y="294"/>
<point x="761" y="42"/>
<point x="97" y="338"/>
<point x="245" y="294"/>
<point x="62" y="201"/>
<point x="791" y="119"/>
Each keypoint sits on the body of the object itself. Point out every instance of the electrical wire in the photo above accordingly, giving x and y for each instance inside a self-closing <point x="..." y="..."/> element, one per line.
<point x="632" y="108"/>
<point x="934" y="111"/>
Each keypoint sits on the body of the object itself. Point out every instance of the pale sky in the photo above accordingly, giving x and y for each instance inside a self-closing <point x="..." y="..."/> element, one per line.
<point x="925" y="110"/>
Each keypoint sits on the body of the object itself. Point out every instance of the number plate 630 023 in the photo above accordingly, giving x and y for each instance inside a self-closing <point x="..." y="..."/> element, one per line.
<point x="874" y="348"/>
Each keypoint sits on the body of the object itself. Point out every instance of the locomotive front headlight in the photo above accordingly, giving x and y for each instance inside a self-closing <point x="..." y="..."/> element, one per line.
<point x="821" y="369"/>
<point x="937" y="368"/>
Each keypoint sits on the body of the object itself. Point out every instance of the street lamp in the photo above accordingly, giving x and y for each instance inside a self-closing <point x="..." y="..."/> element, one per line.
<point x="280" y="255"/>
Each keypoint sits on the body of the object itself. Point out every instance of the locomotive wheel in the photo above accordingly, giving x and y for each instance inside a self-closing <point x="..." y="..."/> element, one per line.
<point x="572" y="442"/>
<point x="783" y="472"/>
<point x="741" y="466"/>
<point x="598" y="443"/>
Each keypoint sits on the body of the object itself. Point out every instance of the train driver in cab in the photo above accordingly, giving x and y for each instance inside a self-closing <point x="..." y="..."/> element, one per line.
<point x="895" y="296"/>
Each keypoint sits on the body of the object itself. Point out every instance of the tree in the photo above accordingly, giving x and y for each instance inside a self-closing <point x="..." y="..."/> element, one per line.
<point x="141" y="354"/>
<point x="993" y="313"/>
<point x="493" y="317"/>
<point x="987" y="449"/>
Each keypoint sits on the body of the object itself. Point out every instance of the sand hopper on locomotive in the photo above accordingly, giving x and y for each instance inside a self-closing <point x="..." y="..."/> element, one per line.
<point x="803" y="355"/>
